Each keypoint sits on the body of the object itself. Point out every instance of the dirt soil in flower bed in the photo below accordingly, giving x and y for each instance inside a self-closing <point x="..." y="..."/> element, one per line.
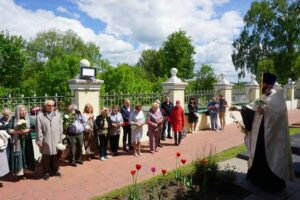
<point x="173" y="191"/>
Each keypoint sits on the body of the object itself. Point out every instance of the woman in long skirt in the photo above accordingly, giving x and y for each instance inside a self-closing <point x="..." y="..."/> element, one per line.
<point x="20" y="149"/>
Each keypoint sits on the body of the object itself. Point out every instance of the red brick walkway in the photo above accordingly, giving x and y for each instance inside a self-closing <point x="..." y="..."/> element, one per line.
<point x="96" y="177"/>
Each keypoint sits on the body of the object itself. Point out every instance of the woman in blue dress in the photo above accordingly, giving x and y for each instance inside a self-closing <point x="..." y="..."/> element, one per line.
<point x="20" y="148"/>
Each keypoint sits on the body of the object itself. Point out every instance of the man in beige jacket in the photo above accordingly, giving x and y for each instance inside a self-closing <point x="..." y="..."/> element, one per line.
<point x="49" y="129"/>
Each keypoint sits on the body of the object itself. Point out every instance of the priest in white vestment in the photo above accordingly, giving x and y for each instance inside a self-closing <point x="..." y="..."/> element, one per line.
<point x="270" y="162"/>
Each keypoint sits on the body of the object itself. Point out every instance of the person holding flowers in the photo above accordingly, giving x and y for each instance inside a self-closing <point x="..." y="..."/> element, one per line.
<point x="75" y="132"/>
<point x="20" y="149"/>
<point x="266" y="122"/>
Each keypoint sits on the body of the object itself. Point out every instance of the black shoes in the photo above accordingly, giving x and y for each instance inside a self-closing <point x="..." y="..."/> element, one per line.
<point x="55" y="174"/>
<point x="73" y="164"/>
<point x="46" y="177"/>
<point x="79" y="162"/>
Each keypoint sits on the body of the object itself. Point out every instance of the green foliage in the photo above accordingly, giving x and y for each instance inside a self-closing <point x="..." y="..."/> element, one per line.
<point x="126" y="79"/>
<point x="177" y="51"/>
<point x="53" y="58"/>
<point x="270" y="38"/>
<point x="12" y="59"/>
<point x="205" y="78"/>
<point x="150" y="61"/>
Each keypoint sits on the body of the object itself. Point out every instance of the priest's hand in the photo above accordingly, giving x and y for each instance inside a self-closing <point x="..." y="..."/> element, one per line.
<point x="260" y="110"/>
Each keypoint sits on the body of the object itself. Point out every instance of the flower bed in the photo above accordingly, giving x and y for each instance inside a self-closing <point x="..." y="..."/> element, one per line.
<point x="200" y="179"/>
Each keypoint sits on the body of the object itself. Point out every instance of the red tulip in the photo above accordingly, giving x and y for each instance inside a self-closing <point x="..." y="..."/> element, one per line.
<point x="153" y="169"/>
<point x="163" y="171"/>
<point x="133" y="172"/>
<point x="138" y="167"/>
<point x="178" y="154"/>
<point x="183" y="161"/>
<point x="204" y="161"/>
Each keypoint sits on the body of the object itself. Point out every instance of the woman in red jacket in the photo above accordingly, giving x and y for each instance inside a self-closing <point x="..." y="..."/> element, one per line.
<point x="177" y="121"/>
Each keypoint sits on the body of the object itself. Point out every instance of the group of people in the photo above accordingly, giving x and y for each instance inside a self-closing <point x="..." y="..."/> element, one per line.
<point x="217" y="106"/>
<point x="270" y="161"/>
<point x="85" y="133"/>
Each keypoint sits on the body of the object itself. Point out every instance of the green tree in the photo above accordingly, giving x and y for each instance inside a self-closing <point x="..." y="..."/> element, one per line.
<point x="53" y="58"/>
<point x="177" y="51"/>
<point x="12" y="59"/>
<point x="271" y="34"/>
<point x="205" y="78"/>
<point x="126" y="79"/>
<point x="150" y="61"/>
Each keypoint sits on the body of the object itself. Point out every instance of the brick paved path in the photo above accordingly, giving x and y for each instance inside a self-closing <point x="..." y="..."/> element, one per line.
<point x="96" y="177"/>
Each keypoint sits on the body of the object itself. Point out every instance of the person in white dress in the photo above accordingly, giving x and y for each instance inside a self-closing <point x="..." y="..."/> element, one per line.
<point x="137" y="120"/>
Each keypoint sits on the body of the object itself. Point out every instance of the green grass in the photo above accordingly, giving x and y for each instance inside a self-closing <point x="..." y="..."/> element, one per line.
<point x="294" y="131"/>
<point x="186" y="169"/>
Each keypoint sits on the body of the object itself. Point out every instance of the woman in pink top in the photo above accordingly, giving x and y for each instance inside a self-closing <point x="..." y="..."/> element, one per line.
<point x="154" y="121"/>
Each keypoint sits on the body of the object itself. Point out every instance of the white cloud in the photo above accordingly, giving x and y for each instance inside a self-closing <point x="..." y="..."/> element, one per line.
<point x="27" y="23"/>
<point x="150" y="22"/>
<point x="144" y="24"/>
<point x="62" y="9"/>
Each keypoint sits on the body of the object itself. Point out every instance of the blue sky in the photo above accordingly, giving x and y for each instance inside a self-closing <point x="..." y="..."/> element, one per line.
<point x="123" y="29"/>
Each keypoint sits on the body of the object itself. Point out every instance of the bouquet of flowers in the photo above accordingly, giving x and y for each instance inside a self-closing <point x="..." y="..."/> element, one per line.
<point x="260" y="102"/>
<point x="21" y="124"/>
<point x="68" y="119"/>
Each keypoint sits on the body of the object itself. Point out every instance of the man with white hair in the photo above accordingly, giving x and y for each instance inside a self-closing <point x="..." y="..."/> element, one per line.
<point x="49" y="129"/>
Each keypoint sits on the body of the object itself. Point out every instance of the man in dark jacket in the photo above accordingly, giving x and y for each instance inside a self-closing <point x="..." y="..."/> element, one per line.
<point x="166" y="109"/>
<point x="126" y="110"/>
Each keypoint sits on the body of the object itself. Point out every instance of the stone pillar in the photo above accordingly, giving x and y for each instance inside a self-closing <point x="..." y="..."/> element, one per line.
<point x="297" y="89"/>
<point x="252" y="89"/>
<point x="174" y="87"/>
<point x="290" y="90"/>
<point x="86" y="91"/>
<point x="224" y="87"/>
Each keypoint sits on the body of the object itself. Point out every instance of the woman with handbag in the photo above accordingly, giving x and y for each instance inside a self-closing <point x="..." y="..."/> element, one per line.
<point x="75" y="132"/>
<point x="154" y="121"/>
<point x="193" y="115"/>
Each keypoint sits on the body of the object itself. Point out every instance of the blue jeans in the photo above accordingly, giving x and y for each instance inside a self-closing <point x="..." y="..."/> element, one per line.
<point x="165" y="124"/>
<point x="214" y="120"/>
